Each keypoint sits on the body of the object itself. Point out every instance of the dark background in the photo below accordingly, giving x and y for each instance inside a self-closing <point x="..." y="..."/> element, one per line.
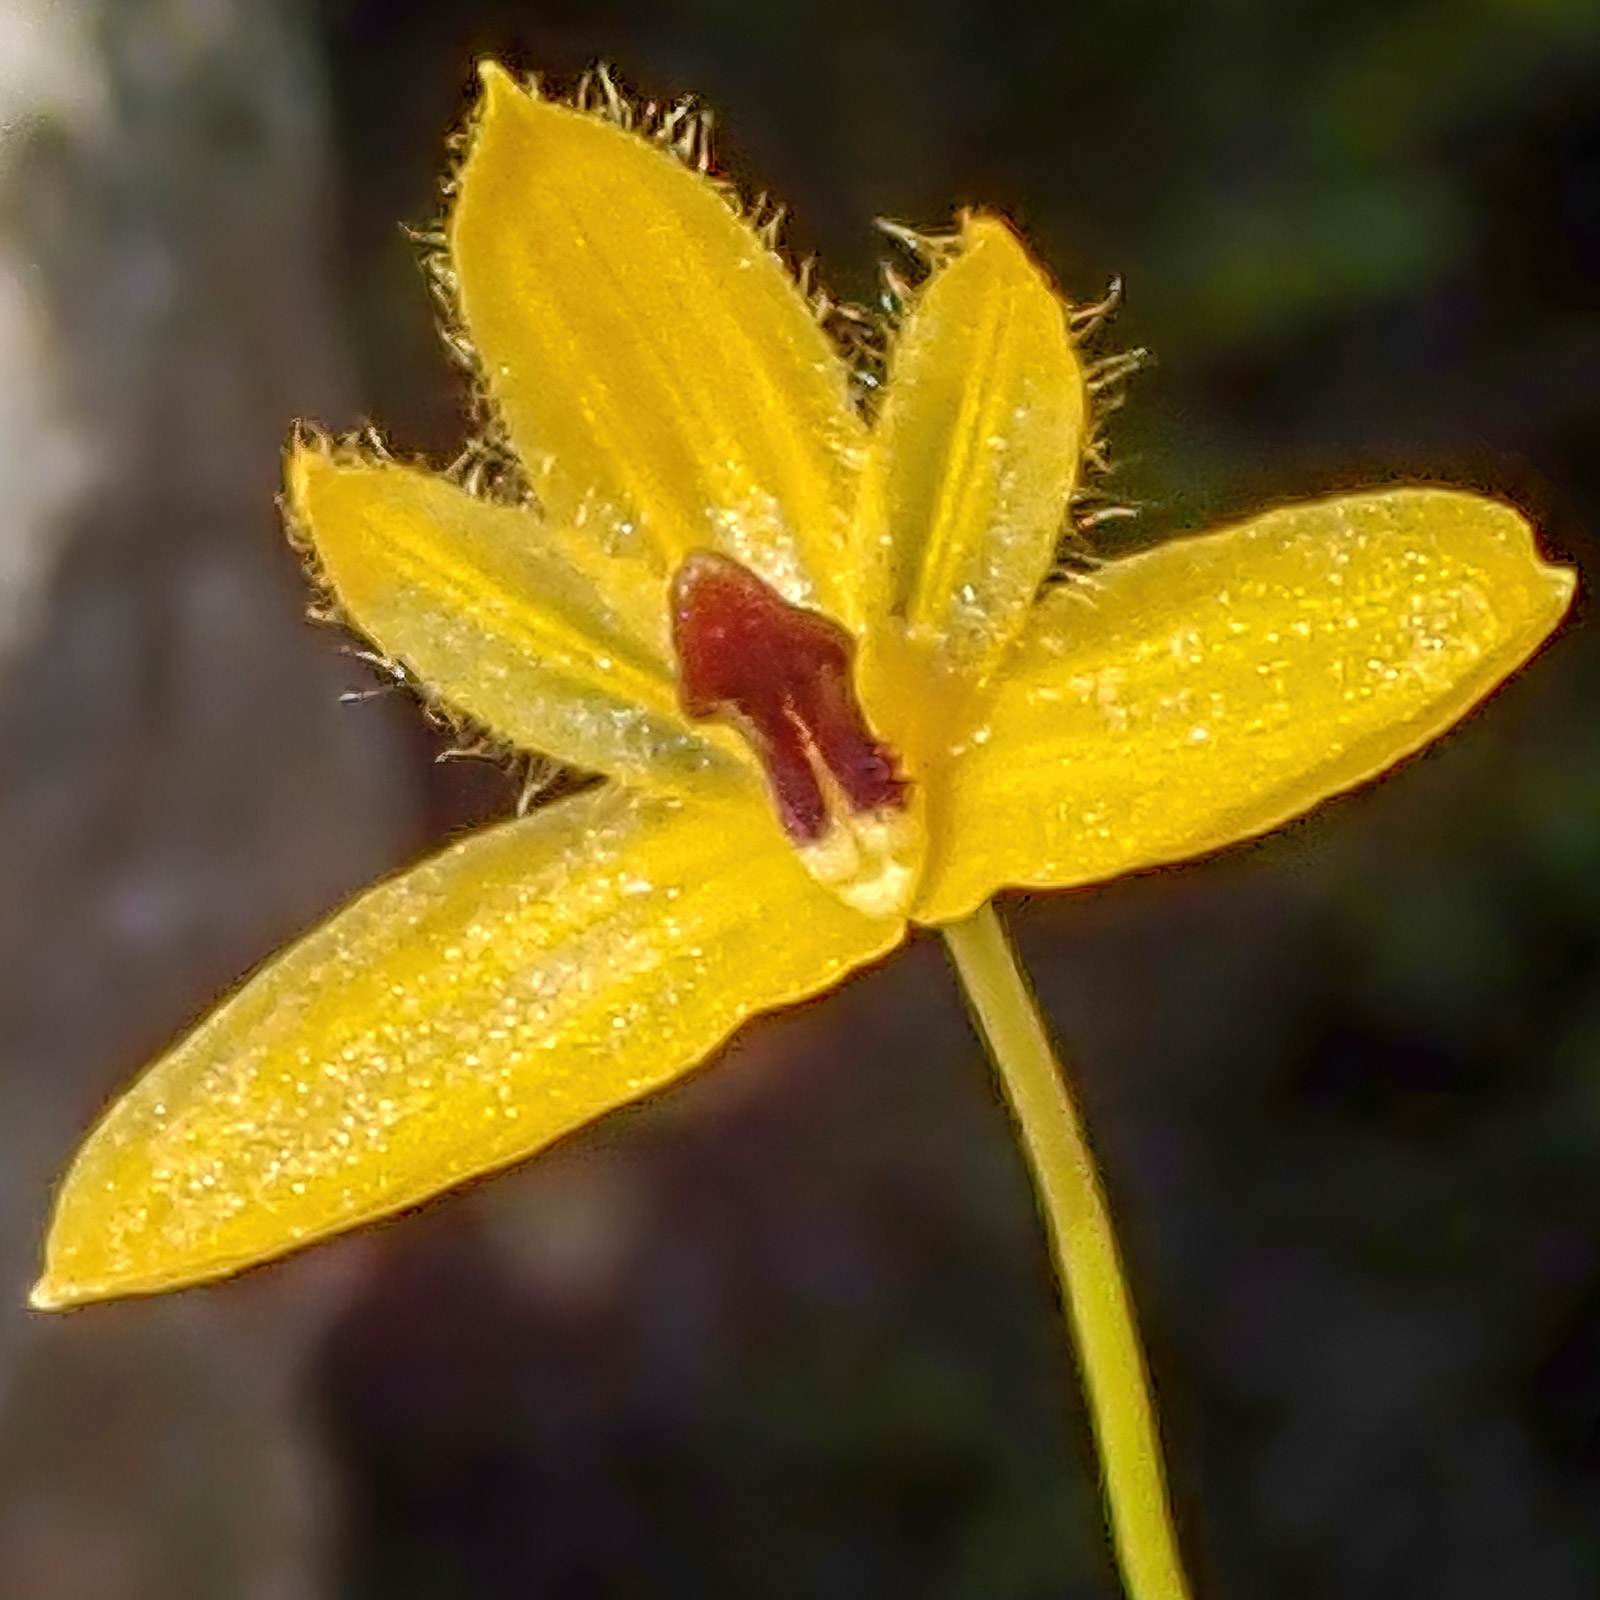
<point x="791" y="1331"/>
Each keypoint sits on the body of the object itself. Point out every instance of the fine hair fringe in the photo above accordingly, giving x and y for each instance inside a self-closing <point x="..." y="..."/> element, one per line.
<point x="864" y="335"/>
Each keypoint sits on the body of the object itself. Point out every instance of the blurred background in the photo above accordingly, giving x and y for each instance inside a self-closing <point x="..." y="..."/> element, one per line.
<point x="790" y="1331"/>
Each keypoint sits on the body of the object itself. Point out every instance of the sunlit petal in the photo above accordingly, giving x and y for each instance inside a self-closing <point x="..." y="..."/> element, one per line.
<point x="463" y="594"/>
<point x="973" y="459"/>
<point x="657" y="368"/>
<point x="1214" y="687"/>
<point x="455" y="1019"/>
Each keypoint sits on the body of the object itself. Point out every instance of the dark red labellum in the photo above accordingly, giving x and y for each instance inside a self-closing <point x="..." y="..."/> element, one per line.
<point x="782" y="675"/>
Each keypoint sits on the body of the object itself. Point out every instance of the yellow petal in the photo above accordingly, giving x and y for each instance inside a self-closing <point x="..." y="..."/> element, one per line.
<point x="1214" y="687"/>
<point x="658" y="370"/>
<point x="461" y="592"/>
<point x="455" y="1019"/>
<point x="973" y="459"/>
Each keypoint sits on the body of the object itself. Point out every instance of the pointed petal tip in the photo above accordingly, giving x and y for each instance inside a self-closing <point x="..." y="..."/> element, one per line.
<point x="61" y="1291"/>
<point x="49" y="1294"/>
<point x="995" y="235"/>
<point x="310" y="463"/>
<point x="494" y="78"/>
<point x="500" y="94"/>
<point x="300" y="462"/>
<point x="1563" y="585"/>
<point x="979" y="225"/>
<point x="1558" y="580"/>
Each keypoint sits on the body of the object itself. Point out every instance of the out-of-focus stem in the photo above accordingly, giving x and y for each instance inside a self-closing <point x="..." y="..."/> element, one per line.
<point x="1087" y="1263"/>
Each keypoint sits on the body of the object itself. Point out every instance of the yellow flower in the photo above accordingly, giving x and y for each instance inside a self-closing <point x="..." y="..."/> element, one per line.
<point x="817" y="663"/>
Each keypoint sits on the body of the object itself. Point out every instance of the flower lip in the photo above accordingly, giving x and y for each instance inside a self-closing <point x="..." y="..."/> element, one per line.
<point x="782" y="675"/>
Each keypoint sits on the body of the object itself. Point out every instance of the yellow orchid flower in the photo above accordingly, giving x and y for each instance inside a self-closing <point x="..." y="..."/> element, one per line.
<point x="832" y="693"/>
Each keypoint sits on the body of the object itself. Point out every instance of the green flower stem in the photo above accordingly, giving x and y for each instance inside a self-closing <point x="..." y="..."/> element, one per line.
<point x="1086" y="1257"/>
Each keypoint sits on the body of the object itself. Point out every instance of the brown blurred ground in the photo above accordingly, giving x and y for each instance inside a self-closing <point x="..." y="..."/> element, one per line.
<point x="180" y="787"/>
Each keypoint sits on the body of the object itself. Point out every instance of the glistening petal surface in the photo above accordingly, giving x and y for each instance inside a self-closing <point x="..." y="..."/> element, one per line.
<point x="1214" y="687"/>
<point x="657" y="368"/>
<point x="455" y="1019"/>
<point x="973" y="458"/>
<point x="470" y="598"/>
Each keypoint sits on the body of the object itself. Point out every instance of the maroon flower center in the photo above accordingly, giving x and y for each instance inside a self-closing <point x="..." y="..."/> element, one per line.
<point x="782" y="676"/>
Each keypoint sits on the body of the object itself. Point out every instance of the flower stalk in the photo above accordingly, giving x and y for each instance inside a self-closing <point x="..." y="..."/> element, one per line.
<point x="1088" y="1268"/>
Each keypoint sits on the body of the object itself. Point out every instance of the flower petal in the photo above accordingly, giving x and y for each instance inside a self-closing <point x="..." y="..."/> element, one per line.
<point x="657" y="367"/>
<point x="462" y="593"/>
<point x="974" y="456"/>
<point x="451" y="1021"/>
<point x="1214" y="687"/>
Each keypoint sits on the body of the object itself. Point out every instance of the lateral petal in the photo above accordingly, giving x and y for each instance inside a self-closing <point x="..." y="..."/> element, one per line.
<point x="658" y="369"/>
<point x="455" y="1019"/>
<point x="973" y="458"/>
<point x="1211" y="688"/>
<point x="473" y="599"/>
